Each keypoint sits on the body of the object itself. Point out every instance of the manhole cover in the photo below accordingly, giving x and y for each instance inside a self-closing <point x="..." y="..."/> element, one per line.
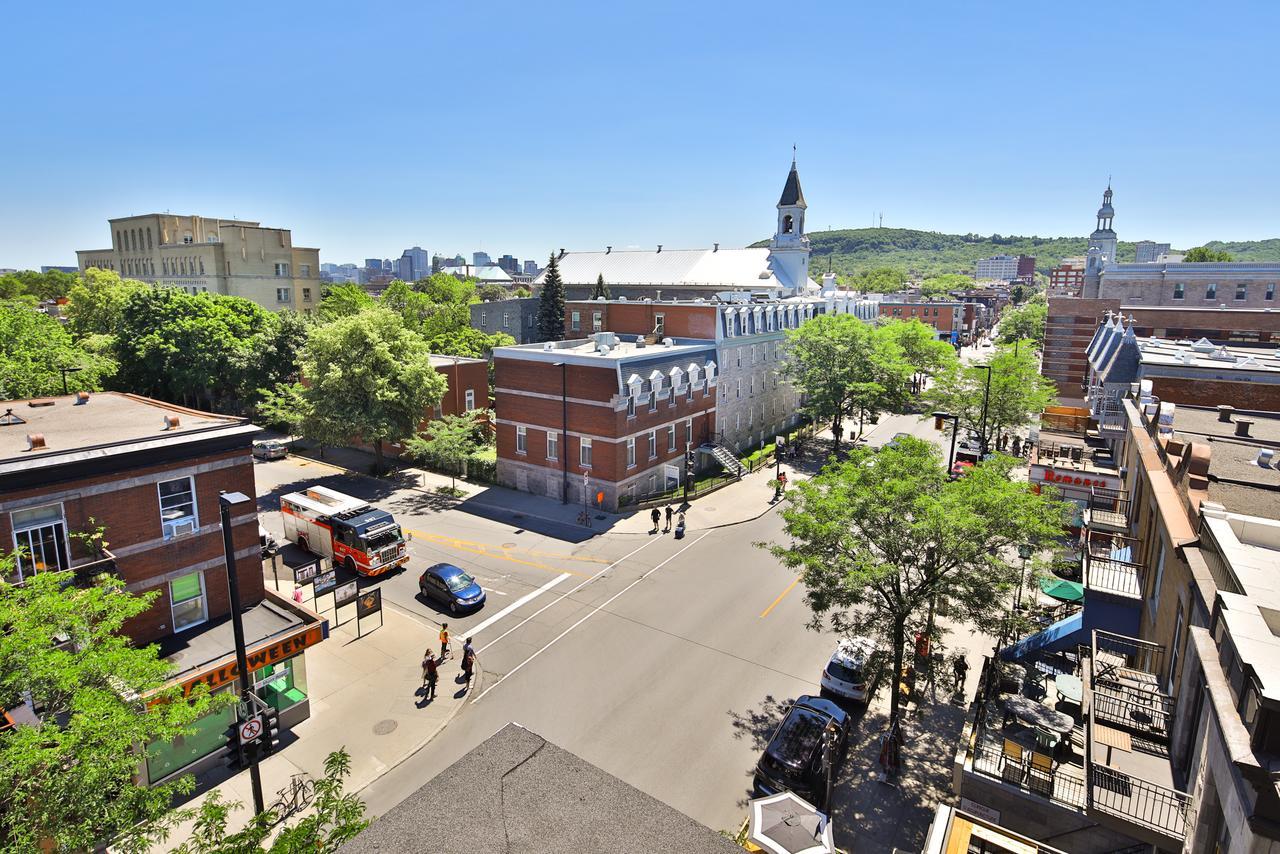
<point x="385" y="727"/>
<point x="508" y="545"/>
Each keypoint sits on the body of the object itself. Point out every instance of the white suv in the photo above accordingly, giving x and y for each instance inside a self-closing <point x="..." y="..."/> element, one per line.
<point x="846" y="674"/>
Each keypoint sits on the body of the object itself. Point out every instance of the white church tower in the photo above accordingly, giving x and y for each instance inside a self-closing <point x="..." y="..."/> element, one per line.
<point x="789" y="249"/>
<point x="1102" y="248"/>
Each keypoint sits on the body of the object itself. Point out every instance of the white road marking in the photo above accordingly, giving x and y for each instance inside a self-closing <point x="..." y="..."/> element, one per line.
<point x="516" y="604"/>
<point x="593" y="612"/>
<point x="655" y="538"/>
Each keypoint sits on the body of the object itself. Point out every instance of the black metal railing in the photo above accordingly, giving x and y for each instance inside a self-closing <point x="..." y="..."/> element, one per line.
<point x="1136" y="800"/>
<point x="1109" y="564"/>
<point x="1109" y="507"/>
<point x="1057" y="785"/>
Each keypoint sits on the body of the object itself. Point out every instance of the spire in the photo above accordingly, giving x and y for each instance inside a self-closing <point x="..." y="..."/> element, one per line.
<point x="792" y="195"/>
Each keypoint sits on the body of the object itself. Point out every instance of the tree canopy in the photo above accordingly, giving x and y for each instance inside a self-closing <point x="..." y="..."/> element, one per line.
<point x="1018" y="393"/>
<point x="921" y="348"/>
<point x="36" y="286"/>
<point x="551" y="307"/>
<point x="1026" y="322"/>
<point x="1203" y="254"/>
<point x="34" y="348"/>
<point x="881" y="537"/>
<point x="939" y="285"/>
<point x="601" y="290"/>
<point x="449" y="441"/>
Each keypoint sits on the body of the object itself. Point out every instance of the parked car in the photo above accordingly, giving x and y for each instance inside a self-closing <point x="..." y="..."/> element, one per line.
<point x="897" y="440"/>
<point x="793" y="760"/>
<point x="451" y="586"/>
<point x="270" y="449"/>
<point x="848" y="674"/>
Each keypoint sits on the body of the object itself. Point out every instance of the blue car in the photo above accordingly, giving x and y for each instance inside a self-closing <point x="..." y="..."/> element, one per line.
<point x="451" y="586"/>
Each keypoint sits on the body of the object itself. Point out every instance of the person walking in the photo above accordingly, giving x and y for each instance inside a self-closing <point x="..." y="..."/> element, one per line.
<point x="430" y="674"/>
<point x="468" y="664"/>
<point x="656" y="516"/>
<point x="670" y="513"/>
<point x="444" y="641"/>
<point x="467" y="648"/>
<point x="960" y="667"/>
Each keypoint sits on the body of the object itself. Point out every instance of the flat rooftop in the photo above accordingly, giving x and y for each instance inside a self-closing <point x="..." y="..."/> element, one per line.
<point x="193" y="649"/>
<point x="1251" y="549"/>
<point x="584" y="351"/>
<point x="516" y="791"/>
<point x="1236" y="481"/>
<point x="438" y="361"/>
<point x="1203" y="354"/>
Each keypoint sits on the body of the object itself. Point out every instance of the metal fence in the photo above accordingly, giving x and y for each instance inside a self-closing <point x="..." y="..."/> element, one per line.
<point x="1136" y="800"/>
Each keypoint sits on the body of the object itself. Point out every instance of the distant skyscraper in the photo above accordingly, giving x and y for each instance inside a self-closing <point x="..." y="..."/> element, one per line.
<point x="388" y="266"/>
<point x="509" y="263"/>
<point x="481" y="259"/>
<point x="531" y="268"/>
<point x="374" y="264"/>
<point x="1148" y="251"/>
<point x="414" y="264"/>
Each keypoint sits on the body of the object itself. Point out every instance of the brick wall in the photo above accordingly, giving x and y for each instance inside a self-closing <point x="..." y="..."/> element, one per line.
<point x="467" y="375"/>
<point x="1201" y="392"/>
<point x="1068" y="329"/>
<point x="638" y="318"/>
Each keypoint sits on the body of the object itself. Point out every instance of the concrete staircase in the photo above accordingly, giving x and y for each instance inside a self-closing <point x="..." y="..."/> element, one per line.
<point x="725" y="457"/>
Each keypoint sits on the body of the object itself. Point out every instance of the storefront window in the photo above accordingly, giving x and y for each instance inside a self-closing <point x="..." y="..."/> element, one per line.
<point x="208" y="734"/>
<point x="282" y="684"/>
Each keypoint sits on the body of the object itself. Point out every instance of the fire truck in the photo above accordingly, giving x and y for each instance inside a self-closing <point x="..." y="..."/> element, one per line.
<point x="352" y="532"/>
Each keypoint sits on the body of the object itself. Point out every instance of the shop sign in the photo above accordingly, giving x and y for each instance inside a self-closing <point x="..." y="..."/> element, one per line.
<point x="369" y="603"/>
<point x="270" y="653"/>
<point x="344" y="594"/>
<point x="1068" y="479"/>
<point x="325" y="581"/>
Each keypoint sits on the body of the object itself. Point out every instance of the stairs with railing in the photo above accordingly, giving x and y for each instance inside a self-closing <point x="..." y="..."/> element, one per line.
<point x="725" y="457"/>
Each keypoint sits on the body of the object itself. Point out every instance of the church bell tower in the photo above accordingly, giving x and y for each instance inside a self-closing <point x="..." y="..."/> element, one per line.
<point x="789" y="249"/>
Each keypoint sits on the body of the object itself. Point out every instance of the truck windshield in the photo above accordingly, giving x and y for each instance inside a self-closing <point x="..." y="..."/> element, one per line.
<point x="386" y="538"/>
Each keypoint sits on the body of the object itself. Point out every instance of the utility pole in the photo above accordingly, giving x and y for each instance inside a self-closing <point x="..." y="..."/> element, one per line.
<point x="986" y="397"/>
<point x="227" y="500"/>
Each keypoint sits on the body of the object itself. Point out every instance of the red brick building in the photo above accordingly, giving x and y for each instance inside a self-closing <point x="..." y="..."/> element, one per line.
<point x="1067" y="279"/>
<point x="468" y="389"/>
<point x="151" y="473"/>
<point x="947" y="318"/>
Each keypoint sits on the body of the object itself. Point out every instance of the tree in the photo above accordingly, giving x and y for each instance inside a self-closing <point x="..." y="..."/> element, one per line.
<point x="601" y="290"/>
<point x="70" y="780"/>
<point x="1024" y="323"/>
<point x="34" y="348"/>
<point x="938" y="285"/>
<point x="551" y="308"/>
<point x="96" y="303"/>
<point x="1018" y="393"/>
<point x="491" y="292"/>
<point x="449" y="441"/>
<point x="926" y="355"/>
<point x="882" y="280"/>
<point x="1203" y="254"/>
<point x="883" y="538"/>
<point x="468" y="342"/>
<point x="344" y="300"/>
<point x="367" y="376"/>
<point x="522" y="293"/>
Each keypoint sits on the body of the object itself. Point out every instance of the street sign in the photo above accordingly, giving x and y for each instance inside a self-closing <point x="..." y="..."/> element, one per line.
<point x="325" y="581"/>
<point x="250" y="729"/>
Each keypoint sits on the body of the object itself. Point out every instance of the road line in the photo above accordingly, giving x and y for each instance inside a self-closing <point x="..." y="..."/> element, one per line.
<point x="781" y="595"/>
<point x="516" y="604"/>
<point x="457" y="544"/>
<point x="592" y="613"/>
<point x="461" y="543"/>
<point x="653" y="539"/>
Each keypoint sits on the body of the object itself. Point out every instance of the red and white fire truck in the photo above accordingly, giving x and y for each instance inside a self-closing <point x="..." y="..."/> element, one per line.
<point x="352" y="532"/>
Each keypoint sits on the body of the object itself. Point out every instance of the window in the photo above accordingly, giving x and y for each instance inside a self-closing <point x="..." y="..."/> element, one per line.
<point x="575" y="320"/>
<point x="470" y="399"/>
<point x="688" y="431"/>
<point x="306" y="270"/>
<point x="40" y="538"/>
<point x="671" y="438"/>
<point x="282" y="269"/>
<point x="653" y="444"/>
<point x="1271" y="292"/>
<point x="1153" y="600"/>
<point x="1242" y="291"/>
<point x="437" y="411"/>
<point x="506" y="320"/>
<point x="584" y="452"/>
<point x="522" y="440"/>
<point x="1175" y="647"/>
<point x="484" y="319"/>
<point x="282" y="294"/>
<point x="177" y="507"/>
<point x="659" y="324"/>
<point x="631" y="406"/>
<point x="738" y="355"/>
<point x="739" y="386"/>
<point x="597" y="321"/>
<point x="753" y="354"/>
<point x="306" y="294"/>
<point x="186" y="599"/>
<point x="553" y="445"/>
<point x="1211" y="291"/>
<point x="1179" y="291"/>
<point x="631" y="452"/>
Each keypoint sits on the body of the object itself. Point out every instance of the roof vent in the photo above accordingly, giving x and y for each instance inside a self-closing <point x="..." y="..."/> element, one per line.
<point x="1264" y="457"/>
<point x="1243" y="425"/>
<point x="548" y="346"/>
<point x="717" y="247"/>
<point x="9" y="419"/>
<point x="42" y="402"/>
<point x="640" y="342"/>
<point x="171" y="422"/>
<point x="35" y="442"/>
<point x="1224" y="413"/>
<point x="82" y="397"/>
<point x="659" y="247"/>
<point x="668" y="342"/>
<point x="561" y="254"/>
<point x="608" y="249"/>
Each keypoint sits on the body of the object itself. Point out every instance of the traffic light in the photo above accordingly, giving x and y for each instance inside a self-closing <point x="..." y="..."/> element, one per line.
<point x="236" y="759"/>
<point x="270" y="730"/>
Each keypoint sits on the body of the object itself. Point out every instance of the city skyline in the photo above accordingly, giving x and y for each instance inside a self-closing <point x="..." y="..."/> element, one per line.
<point x="659" y="144"/>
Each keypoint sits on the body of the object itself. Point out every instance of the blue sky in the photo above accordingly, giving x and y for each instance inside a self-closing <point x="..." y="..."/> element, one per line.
<point x="523" y="127"/>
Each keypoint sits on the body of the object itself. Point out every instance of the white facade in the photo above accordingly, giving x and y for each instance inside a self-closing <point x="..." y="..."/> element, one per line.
<point x="1002" y="268"/>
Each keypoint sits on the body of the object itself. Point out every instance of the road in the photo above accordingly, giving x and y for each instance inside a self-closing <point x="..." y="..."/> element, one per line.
<point x="665" y="662"/>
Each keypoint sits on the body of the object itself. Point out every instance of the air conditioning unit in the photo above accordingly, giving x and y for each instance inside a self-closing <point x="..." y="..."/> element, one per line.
<point x="179" y="528"/>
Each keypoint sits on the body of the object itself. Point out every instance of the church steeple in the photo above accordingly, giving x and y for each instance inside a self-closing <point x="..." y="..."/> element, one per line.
<point x="1102" y="247"/>
<point x="789" y="249"/>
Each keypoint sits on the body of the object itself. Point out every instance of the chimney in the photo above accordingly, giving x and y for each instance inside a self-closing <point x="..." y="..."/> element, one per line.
<point x="659" y="247"/>
<point x="608" y="249"/>
<point x="561" y="254"/>
<point x="1224" y="413"/>
<point x="1243" y="425"/>
<point x="717" y="247"/>
<point x="171" y="422"/>
<point x="35" y="442"/>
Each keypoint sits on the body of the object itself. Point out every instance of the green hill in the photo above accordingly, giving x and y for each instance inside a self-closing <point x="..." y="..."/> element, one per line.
<point x="924" y="253"/>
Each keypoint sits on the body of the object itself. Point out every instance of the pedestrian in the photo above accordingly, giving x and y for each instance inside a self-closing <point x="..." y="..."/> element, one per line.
<point x="656" y="516"/>
<point x="444" y="641"/>
<point x="670" y="513"/>
<point x="468" y="664"/>
<point x="430" y="674"/>
<point x="680" y="525"/>
<point x="960" y="667"/>
<point x="467" y="648"/>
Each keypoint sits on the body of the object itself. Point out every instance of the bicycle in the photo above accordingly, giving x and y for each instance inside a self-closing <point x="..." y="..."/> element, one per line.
<point x="584" y="519"/>
<point x="295" y="797"/>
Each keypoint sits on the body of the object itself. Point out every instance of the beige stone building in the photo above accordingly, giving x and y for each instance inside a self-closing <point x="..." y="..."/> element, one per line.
<point x="223" y="256"/>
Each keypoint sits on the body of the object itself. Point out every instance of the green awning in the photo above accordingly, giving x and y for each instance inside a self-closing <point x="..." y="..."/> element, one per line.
<point x="1062" y="590"/>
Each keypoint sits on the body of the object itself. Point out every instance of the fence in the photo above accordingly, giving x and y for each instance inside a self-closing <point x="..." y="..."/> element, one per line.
<point x="1136" y="800"/>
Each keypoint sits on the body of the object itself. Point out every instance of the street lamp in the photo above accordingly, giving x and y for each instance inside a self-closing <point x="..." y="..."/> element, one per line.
<point x="938" y="418"/>
<point x="66" y="371"/>
<point x="564" y="429"/>
<point x="986" y="397"/>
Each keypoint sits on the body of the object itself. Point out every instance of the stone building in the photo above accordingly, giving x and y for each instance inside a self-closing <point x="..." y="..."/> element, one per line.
<point x="204" y="255"/>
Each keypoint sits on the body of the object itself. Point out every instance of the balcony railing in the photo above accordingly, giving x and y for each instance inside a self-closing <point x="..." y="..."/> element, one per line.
<point x="1109" y="564"/>
<point x="1138" y="801"/>
<point x="1109" y="508"/>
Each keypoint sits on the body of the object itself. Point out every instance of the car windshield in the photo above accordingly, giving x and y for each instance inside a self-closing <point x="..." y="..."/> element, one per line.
<point x="844" y="672"/>
<point x="458" y="583"/>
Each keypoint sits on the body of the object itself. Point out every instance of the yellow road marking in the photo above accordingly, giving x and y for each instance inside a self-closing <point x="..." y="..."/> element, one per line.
<point x="781" y="595"/>
<point x="485" y="551"/>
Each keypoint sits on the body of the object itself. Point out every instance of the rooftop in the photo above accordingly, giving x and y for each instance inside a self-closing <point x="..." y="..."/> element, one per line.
<point x="1236" y="479"/>
<point x="520" y="792"/>
<point x="709" y="268"/>
<point x="438" y="361"/>
<point x="192" y="649"/>
<point x="99" y="425"/>
<point x="623" y="348"/>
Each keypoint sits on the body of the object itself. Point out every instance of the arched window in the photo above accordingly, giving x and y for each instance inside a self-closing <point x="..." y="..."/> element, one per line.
<point x="148" y="238"/>
<point x="787" y="224"/>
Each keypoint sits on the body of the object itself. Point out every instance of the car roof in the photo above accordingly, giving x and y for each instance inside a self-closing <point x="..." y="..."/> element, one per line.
<point x="823" y="706"/>
<point x="798" y="735"/>
<point x="444" y="570"/>
<point x="854" y="651"/>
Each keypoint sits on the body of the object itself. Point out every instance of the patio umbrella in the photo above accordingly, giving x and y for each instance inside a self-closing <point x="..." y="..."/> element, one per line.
<point x="786" y="824"/>
<point x="1062" y="590"/>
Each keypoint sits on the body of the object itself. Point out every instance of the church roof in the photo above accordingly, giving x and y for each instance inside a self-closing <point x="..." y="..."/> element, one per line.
<point x="792" y="195"/>
<point x="718" y="268"/>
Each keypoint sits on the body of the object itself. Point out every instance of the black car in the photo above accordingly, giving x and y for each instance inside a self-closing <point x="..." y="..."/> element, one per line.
<point x="793" y="761"/>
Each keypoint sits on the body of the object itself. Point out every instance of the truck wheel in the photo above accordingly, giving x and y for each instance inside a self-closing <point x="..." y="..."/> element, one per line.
<point x="302" y="544"/>
<point x="350" y="565"/>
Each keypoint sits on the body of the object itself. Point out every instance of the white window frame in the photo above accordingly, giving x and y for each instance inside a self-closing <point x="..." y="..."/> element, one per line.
<point x="584" y="452"/>
<point x="522" y="439"/>
<point x="21" y="562"/>
<point x="671" y="437"/>
<point x="469" y="399"/>
<point x="597" y="321"/>
<point x="1175" y="648"/>
<point x="575" y="321"/>
<point x="1153" y="601"/>
<point x="653" y="444"/>
<point x="282" y="270"/>
<point x="688" y="431"/>
<point x="166" y="525"/>
<point x="631" y="452"/>
<point x="553" y="445"/>
<point x="284" y="294"/>
<point x="204" y="605"/>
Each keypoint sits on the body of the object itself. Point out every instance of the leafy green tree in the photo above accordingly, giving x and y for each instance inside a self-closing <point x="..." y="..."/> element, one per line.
<point x="70" y="781"/>
<point x="34" y="348"/>
<point x="438" y="306"/>
<point x="1025" y="322"/>
<point x="491" y="292"/>
<point x="601" y="290"/>
<point x="284" y="407"/>
<point x="882" y="538"/>
<point x="924" y="353"/>
<point x="522" y="292"/>
<point x="1203" y="254"/>
<point x="1018" y="394"/>
<point x="551" y="308"/>
<point x="344" y="300"/>
<point x="367" y="376"/>
<point x="468" y="342"/>
<point x="449" y="441"/>
<point x="96" y="303"/>
<point x="945" y="283"/>
<point x="36" y="286"/>
<point x="880" y="280"/>
<point x="447" y="289"/>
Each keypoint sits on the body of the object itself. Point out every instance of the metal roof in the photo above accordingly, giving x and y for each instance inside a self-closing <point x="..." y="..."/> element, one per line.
<point x="720" y="268"/>
<point x="791" y="193"/>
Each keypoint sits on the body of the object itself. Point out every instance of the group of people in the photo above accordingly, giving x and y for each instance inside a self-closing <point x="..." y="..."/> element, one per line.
<point x="431" y="666"/>
<point x="657" y="515"/>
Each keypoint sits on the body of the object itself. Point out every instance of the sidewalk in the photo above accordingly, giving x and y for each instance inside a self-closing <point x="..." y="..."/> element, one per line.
<point x="363" y="697"/>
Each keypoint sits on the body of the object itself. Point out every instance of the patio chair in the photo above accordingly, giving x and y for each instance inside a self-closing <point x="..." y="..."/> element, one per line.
<point x="1047" y="739"/>
<point x="1014" y="771"/>
<point x="1040" y="774"/>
